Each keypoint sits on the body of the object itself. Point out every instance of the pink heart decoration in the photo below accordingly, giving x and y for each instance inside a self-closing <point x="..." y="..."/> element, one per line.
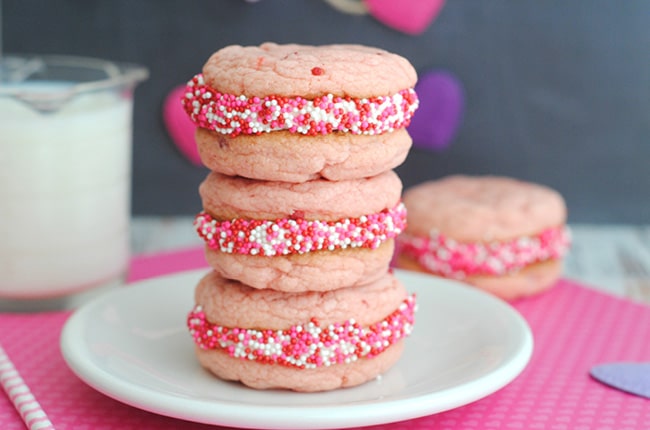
<point x="408" y="16"/>
<point x="632" y="378"/>
<point x="179" y="126"/>
<point x="440" y="113"/>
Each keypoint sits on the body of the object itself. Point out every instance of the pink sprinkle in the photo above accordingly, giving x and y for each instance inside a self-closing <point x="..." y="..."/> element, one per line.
<point x="234" y="115"/>
<point x="286" y="236"/>
<point x="443" y="256"/>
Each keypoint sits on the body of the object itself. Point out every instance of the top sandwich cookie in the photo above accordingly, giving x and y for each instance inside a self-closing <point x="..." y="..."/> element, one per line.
<point x="272" y="92"/>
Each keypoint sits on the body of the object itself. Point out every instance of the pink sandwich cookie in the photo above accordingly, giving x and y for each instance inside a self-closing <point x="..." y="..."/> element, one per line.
<point x="255" y="105"/>
<point x="313" y="236"/>
<point x="311" y="341"/>
<point x="503" y="235"/>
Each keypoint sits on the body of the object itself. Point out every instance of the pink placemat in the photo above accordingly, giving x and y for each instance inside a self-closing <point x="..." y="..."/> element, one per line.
<point x="574" y="328"/>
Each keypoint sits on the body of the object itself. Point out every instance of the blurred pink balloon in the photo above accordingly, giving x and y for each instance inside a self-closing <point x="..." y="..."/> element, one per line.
<point x="179" y="125"/>
<point x="408" y="16"/>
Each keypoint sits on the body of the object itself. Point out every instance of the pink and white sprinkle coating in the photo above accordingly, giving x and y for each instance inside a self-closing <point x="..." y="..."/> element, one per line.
<point x="447" y="257"/>
<point x="298" y="236"/>
<point x="238" y="114"/>
<point x="305" y="346"/>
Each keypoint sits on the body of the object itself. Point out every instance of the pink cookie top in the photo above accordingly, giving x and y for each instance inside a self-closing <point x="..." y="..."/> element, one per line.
<point x="444" y="256"/>
<point x="308" y="345"/>
<point x="308" y="71"/>
<point x="297" y="235"/>
<point x="482" y="208"/>
<point x="236" y="114"/>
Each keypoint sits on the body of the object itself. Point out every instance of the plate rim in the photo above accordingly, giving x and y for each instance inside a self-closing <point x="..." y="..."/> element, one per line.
<point x="312" y="416"/>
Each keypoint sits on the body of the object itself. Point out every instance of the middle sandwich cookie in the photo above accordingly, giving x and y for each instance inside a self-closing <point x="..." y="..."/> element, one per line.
<point x="314" y="236"/>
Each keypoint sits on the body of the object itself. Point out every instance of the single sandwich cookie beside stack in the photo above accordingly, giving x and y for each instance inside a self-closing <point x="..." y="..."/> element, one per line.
<point x="503" y="235"/>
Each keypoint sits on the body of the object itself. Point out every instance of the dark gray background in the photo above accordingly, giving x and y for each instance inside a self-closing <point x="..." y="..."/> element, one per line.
<point x="557" y="92"/>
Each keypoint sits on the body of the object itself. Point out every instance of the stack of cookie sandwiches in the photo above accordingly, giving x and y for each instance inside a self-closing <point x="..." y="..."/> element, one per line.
<point x="300" y="212"/>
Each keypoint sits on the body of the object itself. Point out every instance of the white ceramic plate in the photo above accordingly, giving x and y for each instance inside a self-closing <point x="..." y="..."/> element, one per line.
<point x="132" y="345"/>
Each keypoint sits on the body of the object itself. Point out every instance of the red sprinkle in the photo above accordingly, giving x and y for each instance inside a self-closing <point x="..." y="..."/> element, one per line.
<point x="316" y="71"/>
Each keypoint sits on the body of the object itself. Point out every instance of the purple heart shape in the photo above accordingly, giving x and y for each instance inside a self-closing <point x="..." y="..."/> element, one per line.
<point x="633" y="378"/>
<point x="436" y="120"/>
